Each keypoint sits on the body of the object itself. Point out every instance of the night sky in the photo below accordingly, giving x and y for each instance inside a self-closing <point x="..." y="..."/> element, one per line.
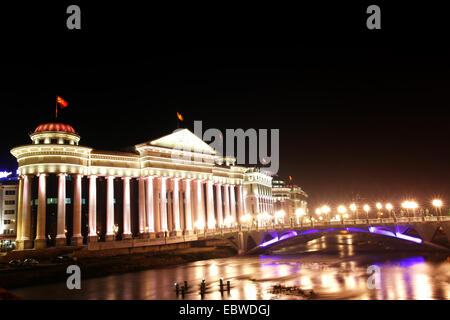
<point x="363" y="115"/>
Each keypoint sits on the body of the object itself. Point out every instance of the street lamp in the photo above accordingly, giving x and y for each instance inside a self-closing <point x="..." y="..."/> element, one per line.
<point x="406" y="205"/>
<point x="353" y="208"/>
<point x="366" y="208"/>
<point x="342" y="210"/>
<point x="437" y="203"/>
<point x="413" y="206"/>
<point x="379" y="207"/>
<point x="326" y="209"/>
<point x="389" y="208"/>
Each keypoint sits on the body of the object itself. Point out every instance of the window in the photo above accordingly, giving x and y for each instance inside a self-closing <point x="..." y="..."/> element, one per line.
<point x="52" y="200"/>
<point x="10" y="192"/>
<point x="6" y="221"/>
<point x="83" y="201"/>
<point x="9" y="211"/>
<point x="68" y="200"/>
<point x="10" y="201"/>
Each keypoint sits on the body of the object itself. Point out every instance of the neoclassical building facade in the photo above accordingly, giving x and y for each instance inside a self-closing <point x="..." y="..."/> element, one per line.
<point x="71" y="194"/>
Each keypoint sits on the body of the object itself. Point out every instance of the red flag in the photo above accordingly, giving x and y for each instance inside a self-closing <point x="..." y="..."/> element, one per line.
<point x="62" y="103"/>
<point x="290" y="178"/>
<point x="180" y="116"/>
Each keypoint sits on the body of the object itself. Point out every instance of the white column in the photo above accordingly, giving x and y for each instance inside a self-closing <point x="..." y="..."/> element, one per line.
<point x="149" y="204"/>
<point x="198" y="207"/>
<point x="109" y="208"/>
<point x="219" y="204"/>
<point x="19" y="214"/>
<point x="163" y="203"/>
<point x="77" y="238"/>
<point x="93" y="208"/>
<point x="211" y="220"/>
<point x="233" y="204"/>
<point x="26" y="210"/>
<point x="126" y="209"/>
<point x="41" y="240"/>
<point x="240" y="203"/>
<point x="176" y="204"/>
<point x="142" y="225"/>
<point x="61" y="219"/>
<point x="187" y="205"/>
<point x="226" y="199"/>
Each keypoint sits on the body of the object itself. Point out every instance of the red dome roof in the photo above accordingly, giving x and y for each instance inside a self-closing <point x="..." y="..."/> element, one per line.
<point x="55" y="127"/>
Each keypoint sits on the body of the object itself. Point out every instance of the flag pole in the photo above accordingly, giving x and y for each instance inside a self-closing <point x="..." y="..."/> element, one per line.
<point x="56" y="110"/>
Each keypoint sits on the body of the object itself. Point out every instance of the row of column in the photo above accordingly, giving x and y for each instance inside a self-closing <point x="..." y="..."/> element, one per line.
<point x="160" y="207"/>
<point x="265" y="204"/>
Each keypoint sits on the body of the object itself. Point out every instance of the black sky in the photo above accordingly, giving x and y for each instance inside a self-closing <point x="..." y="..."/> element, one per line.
<point x="354" y="117"/>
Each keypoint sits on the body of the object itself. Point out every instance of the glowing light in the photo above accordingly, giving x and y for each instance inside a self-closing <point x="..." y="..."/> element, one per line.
<point x="4" y="174"/>
<point x="199" y="225"/>
<point x="389" y="206"/>
<point x="246" y="218"/>
<point x="379" y="205"/>
<point x="280" y="214"/>
<point x="405" y="237"/>
<point x="341" y="209"/>
<point x="264" y="244"/>
<point x="366" y="208"/>
<point x="325" y="209"/>
<point x="318" y="211"/>
<point x="437" y="203"/>
<point x="353" y="207"/>
<point x="410" y="205"/>
<point x="300" y="212"/>
<point x="228" y="221"/>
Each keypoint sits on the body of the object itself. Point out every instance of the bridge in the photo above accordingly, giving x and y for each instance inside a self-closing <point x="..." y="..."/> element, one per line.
<point x="421" y="230"/>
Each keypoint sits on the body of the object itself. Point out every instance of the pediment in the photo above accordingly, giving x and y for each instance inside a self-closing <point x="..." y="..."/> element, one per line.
<point x="184" y="140"/>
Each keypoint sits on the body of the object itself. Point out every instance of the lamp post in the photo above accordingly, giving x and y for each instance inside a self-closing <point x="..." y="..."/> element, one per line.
<point x="342" y="210"/>
<point x="366" y="208"/>
<point x="413" y="206"/>
<point x="389" y="208"/>
<point x="437" y="203"/>
<point x="354" y="209"/>
<point x="379" y="207"/>
<point x="326" y="209"/>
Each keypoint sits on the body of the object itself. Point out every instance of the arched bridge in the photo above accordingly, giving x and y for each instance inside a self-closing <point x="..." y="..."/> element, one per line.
<point x="421" y="230"/>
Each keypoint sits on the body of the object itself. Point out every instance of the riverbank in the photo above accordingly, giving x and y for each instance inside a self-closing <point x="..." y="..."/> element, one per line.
<point x="101" y="265"/>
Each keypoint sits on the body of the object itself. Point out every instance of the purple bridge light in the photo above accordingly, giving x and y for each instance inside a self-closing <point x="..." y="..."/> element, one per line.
<point x="376" y="230"/>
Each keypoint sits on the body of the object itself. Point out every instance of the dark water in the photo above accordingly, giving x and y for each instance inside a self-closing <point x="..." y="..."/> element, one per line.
<point x="334" y="267"/>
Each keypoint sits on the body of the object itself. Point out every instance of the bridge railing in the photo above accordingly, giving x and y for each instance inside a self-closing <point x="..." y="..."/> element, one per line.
<point x="331" y="224"/>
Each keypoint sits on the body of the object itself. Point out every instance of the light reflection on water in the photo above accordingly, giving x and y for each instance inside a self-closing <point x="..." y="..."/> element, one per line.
<point x="336" y="272"/>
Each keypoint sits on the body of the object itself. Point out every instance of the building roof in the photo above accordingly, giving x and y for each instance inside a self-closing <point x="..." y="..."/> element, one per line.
<point x="181" y="139"/>
<point x="55" y="127"/>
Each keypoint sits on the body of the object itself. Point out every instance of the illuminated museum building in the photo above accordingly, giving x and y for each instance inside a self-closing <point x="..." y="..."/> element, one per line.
<point x="288" y="198"/>
<point x="168" y="187"/>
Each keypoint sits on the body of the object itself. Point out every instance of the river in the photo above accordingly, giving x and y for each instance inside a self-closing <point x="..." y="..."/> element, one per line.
<point x="333" y="266"/>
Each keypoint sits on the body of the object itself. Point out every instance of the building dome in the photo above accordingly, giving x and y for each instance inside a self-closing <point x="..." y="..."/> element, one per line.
<point x="55" y="133"/>
<point x="61" y="127"/>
